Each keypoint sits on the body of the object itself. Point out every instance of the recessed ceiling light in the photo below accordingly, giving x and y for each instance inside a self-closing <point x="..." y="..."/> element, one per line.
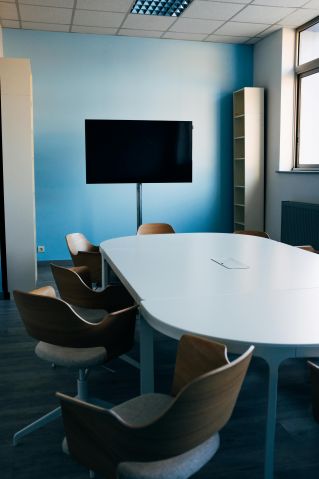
<point x="166" y="8"/>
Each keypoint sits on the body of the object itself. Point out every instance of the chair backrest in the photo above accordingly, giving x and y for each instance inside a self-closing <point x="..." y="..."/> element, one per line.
<point x="206" y="386"/>
<point x="155" y="228"/>
<point x="72" y="286"/>
<point x="77" y="242"/>
<point x="53" y="321"/>
<point x="309" y="248"/>
<point x="74" y="290"/>
<point x="262" y="234"/>
<point x="199" y="410"/>
<point x="84" y="253"/>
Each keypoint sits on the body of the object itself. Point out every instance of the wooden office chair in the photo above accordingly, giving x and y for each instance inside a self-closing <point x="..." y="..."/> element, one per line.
<point x="309" y="248"/>
<point x="262" y="234"/>
<point x="157" y="435"/>
<point x="74" y="286"/>
<point x="155" y="229"/>
<point x="84" y="253"/>
<point x="66" y="339"/>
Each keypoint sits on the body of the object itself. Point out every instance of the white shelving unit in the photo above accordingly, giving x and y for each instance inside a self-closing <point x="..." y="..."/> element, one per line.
<point x="248" y="153"/>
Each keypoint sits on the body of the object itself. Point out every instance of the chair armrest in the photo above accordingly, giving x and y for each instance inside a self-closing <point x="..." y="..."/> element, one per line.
<point x="116" y="332"/>
<point x="84" y="273"/>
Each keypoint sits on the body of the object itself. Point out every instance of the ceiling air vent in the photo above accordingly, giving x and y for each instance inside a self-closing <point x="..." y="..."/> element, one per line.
<point x="166" y="8"/>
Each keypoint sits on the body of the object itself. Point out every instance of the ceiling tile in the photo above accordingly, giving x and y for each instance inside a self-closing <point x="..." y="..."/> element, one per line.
<point x="312" y="4"/>
<point x="139" y="33"/>
<point x="188" y="25"/>
<point x="148" y="22"/>
<point x="241" y="29"/>
<point x="97" y="19"/>
<point x="184" y="36"/>
<point x="211" y="10"/>
<point x="255" y="14"/>
<point x="299" y="17"/>
<point x="51" y="27"/>
<point x="50" y="3"/>
<point x="94" y="30"/>
<point x="268" y="31"/>
<point x="8" y="11"/>
<point x="30" y="13"/>
<point x="10" y="23"/>
<point x="226" y="39"/>
<point x="279" y="3"/>
<point x="258" y="14"/>
<point x="121" y="6"/>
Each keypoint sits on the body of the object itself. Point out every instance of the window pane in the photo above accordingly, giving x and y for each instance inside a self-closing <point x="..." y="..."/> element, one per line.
<point x="308" y="129"/>
<point x="309" y="44"/>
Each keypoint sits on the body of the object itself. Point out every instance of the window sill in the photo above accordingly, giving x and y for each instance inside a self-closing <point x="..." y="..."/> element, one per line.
<point x="299" y="171"/>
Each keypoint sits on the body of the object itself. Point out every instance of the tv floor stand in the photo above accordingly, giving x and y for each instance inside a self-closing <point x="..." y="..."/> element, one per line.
<point x="138" y="205"/>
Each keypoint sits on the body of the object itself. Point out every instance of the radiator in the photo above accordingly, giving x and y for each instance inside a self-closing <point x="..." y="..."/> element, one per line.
<point x="300" y="223"/>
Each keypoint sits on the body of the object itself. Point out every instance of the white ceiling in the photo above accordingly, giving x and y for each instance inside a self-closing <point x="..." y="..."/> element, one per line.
<point x="227" y="21"/>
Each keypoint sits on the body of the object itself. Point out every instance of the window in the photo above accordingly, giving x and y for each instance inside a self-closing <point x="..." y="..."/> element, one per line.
<point x="307" y="71"/>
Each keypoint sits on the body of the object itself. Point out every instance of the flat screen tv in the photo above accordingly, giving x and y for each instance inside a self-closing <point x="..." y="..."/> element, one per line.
<point x="138" y="151"/>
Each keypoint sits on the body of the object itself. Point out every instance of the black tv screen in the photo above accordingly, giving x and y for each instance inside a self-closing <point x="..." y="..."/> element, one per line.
<point x="138" y="151"/>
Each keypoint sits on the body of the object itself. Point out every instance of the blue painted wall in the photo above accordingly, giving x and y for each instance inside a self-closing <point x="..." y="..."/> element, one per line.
<point x="88" y="76"/>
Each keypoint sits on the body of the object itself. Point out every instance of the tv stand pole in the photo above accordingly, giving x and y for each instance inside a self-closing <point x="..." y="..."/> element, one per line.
<point x="139" y="204"/>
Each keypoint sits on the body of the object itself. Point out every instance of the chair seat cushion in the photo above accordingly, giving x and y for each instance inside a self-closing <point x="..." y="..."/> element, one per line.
<point x="143" y="409"/>
<point x="91" y="315"/>
<point x="146" y="408"/>
<point x="71" y="357"/>
<point x="182" y="466"/>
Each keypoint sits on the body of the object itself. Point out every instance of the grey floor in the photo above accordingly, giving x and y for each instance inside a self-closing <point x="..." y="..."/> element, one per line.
<point x="27" y="387"/>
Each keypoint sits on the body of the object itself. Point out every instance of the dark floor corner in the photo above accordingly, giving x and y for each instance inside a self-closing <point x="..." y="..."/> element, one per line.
<point x="27" y="387"/>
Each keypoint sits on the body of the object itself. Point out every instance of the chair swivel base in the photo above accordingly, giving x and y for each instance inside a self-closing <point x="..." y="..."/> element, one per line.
<point x="82" y="393"/>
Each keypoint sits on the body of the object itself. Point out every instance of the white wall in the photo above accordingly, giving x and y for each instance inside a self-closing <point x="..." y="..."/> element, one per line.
<point x="273" y="70"/>
<point x="18" y="173"/>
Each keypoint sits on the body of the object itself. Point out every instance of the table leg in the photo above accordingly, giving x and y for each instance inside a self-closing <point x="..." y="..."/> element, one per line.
<point x="273" y="364"/>
<point x="105" y="272"/>
<point x="146" y="357"/>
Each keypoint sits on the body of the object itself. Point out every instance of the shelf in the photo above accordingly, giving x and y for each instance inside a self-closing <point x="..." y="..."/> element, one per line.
<point x="239" y="173"/>
<point x="239" y="196"/>
<point x="239" y="149"/>
<point x="239" y="214"/>
<point x="248" y="158"/>
<point x="238" y="226"/>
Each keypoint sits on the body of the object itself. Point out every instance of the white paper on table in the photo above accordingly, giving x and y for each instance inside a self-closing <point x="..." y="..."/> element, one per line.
<point x="230" y="263"/>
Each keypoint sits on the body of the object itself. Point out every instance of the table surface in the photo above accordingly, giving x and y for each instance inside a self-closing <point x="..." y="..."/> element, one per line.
<point x="273" y="302"/>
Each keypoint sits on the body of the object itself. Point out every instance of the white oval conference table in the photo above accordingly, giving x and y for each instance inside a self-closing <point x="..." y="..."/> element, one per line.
<point x="236" y="289"/>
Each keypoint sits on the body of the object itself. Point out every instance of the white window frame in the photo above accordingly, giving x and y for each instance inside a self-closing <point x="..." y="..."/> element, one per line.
<point x="302" y="71"/>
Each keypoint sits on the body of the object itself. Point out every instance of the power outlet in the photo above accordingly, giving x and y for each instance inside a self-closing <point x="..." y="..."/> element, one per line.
<point x="41" y="249"/>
